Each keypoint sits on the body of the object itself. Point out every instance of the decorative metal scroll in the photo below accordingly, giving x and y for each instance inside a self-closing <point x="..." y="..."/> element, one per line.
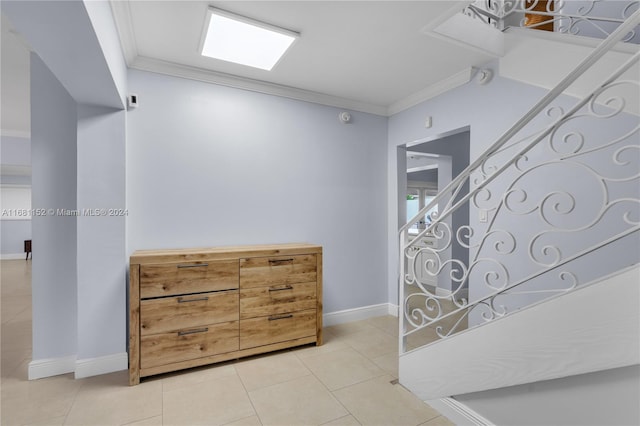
<point x="553" y="199"/>
<point x="594" y="18"/>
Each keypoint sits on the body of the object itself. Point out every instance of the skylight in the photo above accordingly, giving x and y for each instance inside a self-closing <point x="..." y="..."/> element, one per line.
<point x="244" y="41"/>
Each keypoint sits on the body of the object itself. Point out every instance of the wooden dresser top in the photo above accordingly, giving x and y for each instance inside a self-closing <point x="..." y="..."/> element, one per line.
<point x="140" y="257"/>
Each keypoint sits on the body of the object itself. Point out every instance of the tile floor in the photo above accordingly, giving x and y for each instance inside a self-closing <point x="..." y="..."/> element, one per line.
<point x="346" y="381"/>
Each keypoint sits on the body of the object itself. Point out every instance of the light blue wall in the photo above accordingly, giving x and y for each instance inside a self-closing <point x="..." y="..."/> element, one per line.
<point x="489" y="111"/>
<point x="209" y="165"/>
<point x="14" y="232"/>
<point x="78" y="161"/>
<point x="102" y="267"/>
<point x="54" y="274"/>
<point x="15" y="151"/>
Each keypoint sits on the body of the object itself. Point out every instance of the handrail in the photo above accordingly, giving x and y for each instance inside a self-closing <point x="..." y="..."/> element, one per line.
<point x="569" y="79"/>
<point x="514" y="262"/>
<point x="621" y="70"/>
<point x="493" y="294"/>
<point x="487" y="14"/>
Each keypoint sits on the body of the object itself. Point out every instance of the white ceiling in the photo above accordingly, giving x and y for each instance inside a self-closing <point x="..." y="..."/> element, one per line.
<point x="373" y="56"/>
<point x="373" y="53"/>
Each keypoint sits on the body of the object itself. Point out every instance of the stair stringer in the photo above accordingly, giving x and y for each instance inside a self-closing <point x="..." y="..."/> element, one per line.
<point x="596" y="327"/>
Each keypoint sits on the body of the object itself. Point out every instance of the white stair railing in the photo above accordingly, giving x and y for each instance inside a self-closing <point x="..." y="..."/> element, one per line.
<point x="551" y="202"/>
<point x="592" y="18"/>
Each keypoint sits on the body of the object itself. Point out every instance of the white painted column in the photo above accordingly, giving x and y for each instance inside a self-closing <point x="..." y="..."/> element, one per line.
<point x="101" y="241"/>
<point x="53" y="153"/>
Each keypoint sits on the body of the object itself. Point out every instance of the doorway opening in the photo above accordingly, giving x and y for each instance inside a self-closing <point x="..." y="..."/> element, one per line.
<point x="425" y="168"/>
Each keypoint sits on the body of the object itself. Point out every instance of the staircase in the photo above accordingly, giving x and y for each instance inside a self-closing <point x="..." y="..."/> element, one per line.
<point x="542" y="280"/>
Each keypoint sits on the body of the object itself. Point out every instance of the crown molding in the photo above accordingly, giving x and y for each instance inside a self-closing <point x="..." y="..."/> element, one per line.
<point x="432" y="91"/>
<point x="193" y="73"/>
<point x="184" y="71"/>
<point x="124" y="25"/>
<point x="158" y="66"/>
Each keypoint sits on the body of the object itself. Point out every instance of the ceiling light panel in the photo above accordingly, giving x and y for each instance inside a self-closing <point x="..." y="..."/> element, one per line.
<point x="241" y="40"/>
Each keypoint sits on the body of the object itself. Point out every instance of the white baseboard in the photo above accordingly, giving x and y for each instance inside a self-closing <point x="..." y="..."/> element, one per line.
<point x="88" y="367"/>
<point x="12" y="256"/>
<point x="102" y="365"/>
<point x="356" y="314"/>
<point x="41" y="368"/>
<point x="393" y="310"/>
<point x="458" y="413"/>
<point x="117" y="362"/>
<point x="443" y="292"/>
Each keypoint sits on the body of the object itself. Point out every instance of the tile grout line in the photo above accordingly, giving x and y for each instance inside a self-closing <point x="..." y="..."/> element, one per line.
<point x="248" y="396"/>
<point x="350" y="414"/>
<point x="75" y="399"/>
<point x="330" y="393"/>
<point x="284" y="381"/>
<point x="139" y="420"/>
<point x="367" y="321"/>
<point x="335" y="398"/>
<point x="365" y="380"/>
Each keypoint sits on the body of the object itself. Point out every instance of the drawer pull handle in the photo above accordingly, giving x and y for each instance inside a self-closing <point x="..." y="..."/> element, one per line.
<point x="279" y="261"/>
<point x="280" y="317"/>
<point x="280" y="289"/>
<point x="199" y="330"/>
<point x="200" y="265"/>
<point x="200" y="299"/>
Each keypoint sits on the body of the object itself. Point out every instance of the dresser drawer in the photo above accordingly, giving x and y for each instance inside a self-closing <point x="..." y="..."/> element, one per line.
<point x="177" y="313"/>
<point x="190" y="343"/>
<point x="276" y="270"/>
<point x="277" y="328"/>
<point x="277" y="299"/>
<point x="169" y="279"/>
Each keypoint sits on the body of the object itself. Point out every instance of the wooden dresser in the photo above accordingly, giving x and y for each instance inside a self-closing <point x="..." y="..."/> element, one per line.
<point x="193" y="307"/>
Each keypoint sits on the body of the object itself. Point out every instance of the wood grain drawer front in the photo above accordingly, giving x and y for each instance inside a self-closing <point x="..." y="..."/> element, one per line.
<point x="177" y="313"/>
<point x="172" y="279"/>
<point x="268" y="271"/>
<point x="277" y="299"/>
<point x="277" y="328"/>
<point x="191" y="343"/>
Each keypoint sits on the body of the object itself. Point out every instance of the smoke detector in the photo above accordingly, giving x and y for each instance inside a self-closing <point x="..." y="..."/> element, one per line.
<point x="484" y="76"/>
<point x="344" y="117"/>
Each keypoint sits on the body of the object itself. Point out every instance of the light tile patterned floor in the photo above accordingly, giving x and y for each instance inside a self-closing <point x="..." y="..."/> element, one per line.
<point x="346" y="381"/>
